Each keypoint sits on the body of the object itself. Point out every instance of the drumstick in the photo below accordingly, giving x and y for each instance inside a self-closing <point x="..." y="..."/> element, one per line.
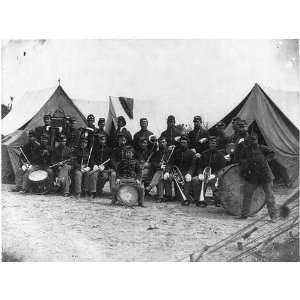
<point x="24" y="155"/>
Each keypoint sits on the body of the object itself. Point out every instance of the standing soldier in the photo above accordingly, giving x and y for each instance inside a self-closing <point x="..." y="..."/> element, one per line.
<point x="222" y="138"/>
<point x="61" y="158"/>
<point x="101" y="166"/>
<point x="72" y="134"/>
<point x="88" y="132"/>
<point x="45" y="129"/>
<point x="198" y="136"/>
<point x="182" y="158"/>
<point x="158" y="162"/>
<point x="101" y="130"/>
<point x="81" y="166"/>
<point x="171" y="132"/>
<point x="121" y="123"/>
<point x="253" y="159"/>
<point x="213" y="159"/>
<point x="143" y="133"/>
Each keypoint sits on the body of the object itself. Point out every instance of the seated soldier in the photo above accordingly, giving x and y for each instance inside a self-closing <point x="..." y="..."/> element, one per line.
<point x="143" y="155"/>
<point x="81" y="167"/>
<point x="88" y="132"/>
<point x="101" y="166"/>
<point x="61" y="160"/>
<point x="182" y="158"/>
<point x="158" y="162"/>
<point x="117" y="154"/>
<point x="37" y="157"/>
<point x="213" y="159"/>
<point x="129" y="171"/>
<point x="253" y="159"/>
<point x="198" y="136"/>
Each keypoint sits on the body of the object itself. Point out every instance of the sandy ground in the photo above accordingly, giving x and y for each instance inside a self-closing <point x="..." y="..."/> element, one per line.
<point x="54" y="228"/>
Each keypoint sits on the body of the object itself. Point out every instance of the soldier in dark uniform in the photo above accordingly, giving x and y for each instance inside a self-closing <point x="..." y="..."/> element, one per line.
<point x="183" y="158"/>
<point x="61" y="156"/>
<point x="214" y="159"/>
<point x="45" y="129"/>
<point x="222" y="138"/>
<point x="143" y="155"/>
<point x="121" y="122"/>
<point x="101" y="130"/>
<point x="88" y="132"/>
<point x="129" y="171"/>
<point x="99" y="173"/>
<point x="117" y="154"/>
<point x="198" y="136"/>
<point x="172" y="132"/>
<point x="253" y="159"/>
<point x="72" y="134"/>
<point x="239" y="130"/>
<point x="158" y="162"/>
<point x="82" y="166"/>
<point x="144" y="133"/>
<point x="38" y="159"/>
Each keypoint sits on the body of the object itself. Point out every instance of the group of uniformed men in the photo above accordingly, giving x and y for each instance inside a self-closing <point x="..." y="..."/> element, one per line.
<point x="84" y="159"/>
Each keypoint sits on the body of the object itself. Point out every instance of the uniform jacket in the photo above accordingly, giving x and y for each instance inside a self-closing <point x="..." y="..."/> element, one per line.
<point x="32" y="153"/>
<point x="73" y="137"/>
<point x="194" y="136"/>
<point x="61" y="153"/>
<point x="254" y="162"/>
<point x="104" y="133"/>
<point x="117" y="155"/>
<point x="142" y="133"/>
<point x="45" y="155"/>
<point x="81" y="156"/>
<point x="170" y="135"/>
<point x="114" y="137"/>
<point x="183" y="159"/>
<point x="100" y="155"/>
<point x="89" y="133"/>
<point x="129" y="168"/>
<point x="159" y="157"/>
<point x="222" y="141"/>
<point x="210" y="158"/>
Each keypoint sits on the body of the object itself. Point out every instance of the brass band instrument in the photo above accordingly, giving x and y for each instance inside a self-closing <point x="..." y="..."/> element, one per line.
<point x="206" y="174"/>
<point x="179" y="181"/>
<point x="60" y="163"/>
<point x="103" y="164"/>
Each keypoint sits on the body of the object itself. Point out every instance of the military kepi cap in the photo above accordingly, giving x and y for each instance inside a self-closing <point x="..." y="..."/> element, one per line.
<point x="197" y="119"/>
<point x="171" y="118"/>
<point x="220" y="125"/>
<point x="101" y="121"/>
<point x="91" y="117"/>
<point x="142" y="120"/>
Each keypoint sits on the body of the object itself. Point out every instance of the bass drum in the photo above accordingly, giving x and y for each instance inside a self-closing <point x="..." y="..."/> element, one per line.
<point x="39" y="182"/>
<point x="230" y="192"/>
<point x="127" y="194"/>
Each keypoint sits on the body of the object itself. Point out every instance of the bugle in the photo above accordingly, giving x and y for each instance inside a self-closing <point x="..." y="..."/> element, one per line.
<point x="179" y="181"/>
<point x="206" y="174"/>
<point x="60" y="163"/>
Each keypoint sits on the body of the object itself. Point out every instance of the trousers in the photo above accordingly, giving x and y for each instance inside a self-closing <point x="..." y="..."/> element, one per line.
<point x="248" y="191"/>
<point x="64" y="178"/>
<point x="197" y="186"/>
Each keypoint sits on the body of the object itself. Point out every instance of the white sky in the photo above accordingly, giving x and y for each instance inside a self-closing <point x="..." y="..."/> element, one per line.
<point x="206" y="77"/>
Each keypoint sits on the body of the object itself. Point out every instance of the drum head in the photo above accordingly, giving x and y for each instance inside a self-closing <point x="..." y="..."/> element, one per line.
<point x="39" y="175"/>
<point x="230" y="191"/>
<point x="127" y="194"/>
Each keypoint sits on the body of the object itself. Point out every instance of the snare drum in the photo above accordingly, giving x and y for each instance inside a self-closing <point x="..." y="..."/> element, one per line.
<point x="39" y="182"/>
<point x="127" y="194"/>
